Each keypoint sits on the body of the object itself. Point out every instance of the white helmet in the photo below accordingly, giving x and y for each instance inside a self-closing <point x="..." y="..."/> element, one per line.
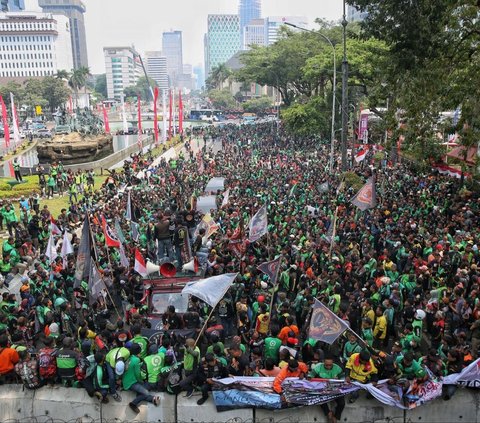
<point x="420" y="315"/>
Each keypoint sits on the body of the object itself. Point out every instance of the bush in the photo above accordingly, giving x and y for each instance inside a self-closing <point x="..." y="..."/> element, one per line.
<point x="17" y="194"/>
<point x="5" y="187"/>
<point x="25" y="187"/>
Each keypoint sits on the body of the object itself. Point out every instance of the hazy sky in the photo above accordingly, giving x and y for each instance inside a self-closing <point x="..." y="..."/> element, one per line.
<point x="141" y="22"/>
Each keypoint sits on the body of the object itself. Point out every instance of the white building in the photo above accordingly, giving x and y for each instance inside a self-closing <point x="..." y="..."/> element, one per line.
<point x="254" y="33"/>
<point x="157" y="68"/>
<point x="33" y="44"/>
<point x="122" y="68"/>
<point x="273" y="24"/>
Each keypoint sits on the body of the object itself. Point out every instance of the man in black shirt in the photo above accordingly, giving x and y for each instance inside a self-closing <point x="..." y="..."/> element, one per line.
<point x="209" y="370"/>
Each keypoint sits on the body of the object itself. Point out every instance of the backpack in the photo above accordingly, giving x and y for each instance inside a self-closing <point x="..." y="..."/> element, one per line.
<point x="47" y="364"/>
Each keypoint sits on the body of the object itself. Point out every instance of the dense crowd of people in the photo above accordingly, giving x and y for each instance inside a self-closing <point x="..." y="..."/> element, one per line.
<point x="404" y="274"/>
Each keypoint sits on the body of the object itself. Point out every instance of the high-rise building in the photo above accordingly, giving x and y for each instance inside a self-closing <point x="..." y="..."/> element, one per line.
<point x="254" y="34"/>
<point x="12" y="5"/>
<point x="122" y="68"/>
<point x="248" y="10"/>
<point x="199" y="75"/>
<point x="222" y="40"/>
<point x="354" y="15"/>
<point x="273" y="24"/>
<point x="157" y="68"/>
<point x="33" y="44"/>
<point x="172" y="49"/>
<point x="74" y="10"/>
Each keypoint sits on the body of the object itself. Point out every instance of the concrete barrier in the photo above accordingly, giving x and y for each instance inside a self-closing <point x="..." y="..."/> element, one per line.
<point x="59" y="404"/>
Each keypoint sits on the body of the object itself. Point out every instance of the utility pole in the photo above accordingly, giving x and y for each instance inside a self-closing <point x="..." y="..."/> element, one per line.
<point x="344" y="93"/>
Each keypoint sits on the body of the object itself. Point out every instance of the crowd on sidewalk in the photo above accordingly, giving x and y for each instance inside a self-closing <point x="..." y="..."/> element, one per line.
<point x="404" y="274"/>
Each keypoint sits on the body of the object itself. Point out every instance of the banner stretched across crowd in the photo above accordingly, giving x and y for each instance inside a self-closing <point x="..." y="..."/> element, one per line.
<point x="257" y="392"/>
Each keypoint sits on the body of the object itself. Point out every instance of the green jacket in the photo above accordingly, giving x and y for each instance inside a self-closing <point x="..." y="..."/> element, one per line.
<point x="133" y="372"/>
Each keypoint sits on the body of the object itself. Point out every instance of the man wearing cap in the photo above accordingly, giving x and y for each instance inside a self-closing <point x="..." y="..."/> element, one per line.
<point x="360" y="368"/>
<point x="293" y="369"/>
<point x="115" y="365"/>
<point x="67" y="361"/>
<point x="153" y="364"/>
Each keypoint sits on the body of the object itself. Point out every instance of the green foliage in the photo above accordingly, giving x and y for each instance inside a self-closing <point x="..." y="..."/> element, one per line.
<point x="222" y="99"/>
<point x="142" y="88"/>
<point x="258" y="105"/>
<point x="101" y="85"/>
<point x="311" y="118"/>
<point x="218" y="75"/>
<point x="5" y="187"/>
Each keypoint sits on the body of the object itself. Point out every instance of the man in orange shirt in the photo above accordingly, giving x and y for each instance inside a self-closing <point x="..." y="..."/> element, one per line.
<point x="285" y="332"/>
<point x="8" y="358"/>
<point x="294" y="369"/>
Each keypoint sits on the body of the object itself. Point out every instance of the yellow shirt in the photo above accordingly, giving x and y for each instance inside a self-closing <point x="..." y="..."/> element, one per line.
<point x="358" y="371"/>
<point x="380" y="329"/>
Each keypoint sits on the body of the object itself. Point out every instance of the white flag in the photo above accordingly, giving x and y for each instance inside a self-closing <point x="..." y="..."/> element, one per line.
<point x="258" y="225"/>
<point x="123" y="257"/>
<point x="16" y="131"/>
<point x="210" y="290"/>
<point x="66" y="248"/>
<point x="226" y="195"/>
<point x="51" y="252"/>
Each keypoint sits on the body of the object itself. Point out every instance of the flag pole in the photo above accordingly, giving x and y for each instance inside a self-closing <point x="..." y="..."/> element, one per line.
<point x="209" y="316"/>
<point x="332" y="241"/>
<point x="270" y="310"/>
<point x="95" y="264"/>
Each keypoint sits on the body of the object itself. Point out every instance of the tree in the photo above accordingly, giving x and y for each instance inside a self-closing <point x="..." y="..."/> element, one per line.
<point x="55" y="92"/>
<point x="218" y="75"/>
<point x="222" y="99"/>
<point x="62" y="74"/>
<point x="78" y="80"/>
<point x="101" y="85"/>
<point x="258" y="105"/>
<point x="311" y="118"/>
<point x="142" y="88"/>
<point x="33" y="95"/>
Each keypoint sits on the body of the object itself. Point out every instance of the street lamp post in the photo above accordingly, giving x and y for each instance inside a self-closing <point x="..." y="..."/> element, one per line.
<point x="332" y="136"/>
<point x="344" y="93"/>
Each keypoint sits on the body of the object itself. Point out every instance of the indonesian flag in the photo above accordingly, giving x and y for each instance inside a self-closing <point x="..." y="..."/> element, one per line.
<point x="6" y="128"/>
<point x="140" y="266"/>
<point x="170" y="112"/>
<point x="360" y="156"/>
<point x="111" y="239"/>
<point x="51" y="251"/>
<point x="66" y="248"/>
<point x="16" y="131"/>
<point x="53" y="227"/>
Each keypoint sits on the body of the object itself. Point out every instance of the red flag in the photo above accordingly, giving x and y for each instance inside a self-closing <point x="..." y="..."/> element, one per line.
<point x="139" y="123"/>
<point x="237" y="244"/>
<point x="70" y="105"/>
<point x="5" y="123"/>
<point x="360" y="155"/>
<point x="366" y="197"/>
<point x="140" y="266"/>
<point x="53" y="227"/>
<point x="110" y="238"/>
<point x="180" y="112"/>
<point x="155" y="117"/>
<point x="105" y="120"/>
<point x="170" y="113"/>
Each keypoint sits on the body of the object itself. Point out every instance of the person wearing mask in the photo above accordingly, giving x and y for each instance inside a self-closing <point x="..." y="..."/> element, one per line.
<point x="329" y="370"/>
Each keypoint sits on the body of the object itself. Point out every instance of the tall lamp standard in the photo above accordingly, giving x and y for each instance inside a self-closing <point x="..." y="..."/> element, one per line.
<point x="332" y="138"/>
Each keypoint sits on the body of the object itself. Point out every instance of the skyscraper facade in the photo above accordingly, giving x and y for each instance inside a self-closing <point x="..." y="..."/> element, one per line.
<point x="33" y="45"/>
<point x="122" y="68"/>
<point x="172" y="49"/>
<point x="74" y="10"/>
<point x="222" y="40"/>
<point x="254" y="34"/>
<point x="157" y="68"/>
<point x="248" y="10"/>
<point x="273" y="24"/>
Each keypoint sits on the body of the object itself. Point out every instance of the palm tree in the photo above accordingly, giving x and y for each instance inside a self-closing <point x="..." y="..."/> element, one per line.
<point x="77" y="80"/>
<point x="62" y="74"/>
<point x="219" y="75"/>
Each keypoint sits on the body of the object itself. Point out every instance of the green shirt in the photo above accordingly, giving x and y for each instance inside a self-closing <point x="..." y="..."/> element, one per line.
<point x="132" y="373"/>
<point x="272" y="346"/>
<point x="115" y="354"/>
<point x="320" y="371"/>
<point x="153" y="364"/>
<point x="190" y="358"/>
<point x="142" y="341"/>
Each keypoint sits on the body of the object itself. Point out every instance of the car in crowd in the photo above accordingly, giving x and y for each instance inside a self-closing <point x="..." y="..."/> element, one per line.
<point x="42" y="133"/>
<point x="62" y="130"/>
